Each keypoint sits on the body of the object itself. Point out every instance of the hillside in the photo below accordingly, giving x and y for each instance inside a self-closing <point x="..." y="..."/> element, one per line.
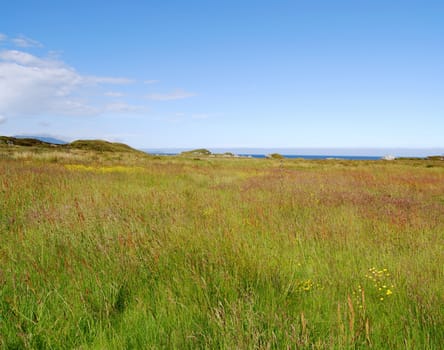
<point x="87" y="145"/>
<point x="25" y="142"/>
<point x="100" y="146"/>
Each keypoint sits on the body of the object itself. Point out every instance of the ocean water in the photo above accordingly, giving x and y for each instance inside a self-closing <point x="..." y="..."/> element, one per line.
<point x="319" y="156"/>
<point x="314" y="153"/>
<point x="289" y="156"/>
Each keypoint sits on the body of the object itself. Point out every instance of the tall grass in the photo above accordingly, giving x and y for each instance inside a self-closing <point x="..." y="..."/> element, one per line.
<point x="220" y="253"/>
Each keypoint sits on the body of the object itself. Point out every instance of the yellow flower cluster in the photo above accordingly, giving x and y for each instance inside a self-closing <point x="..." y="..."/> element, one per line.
<point x="307" y="285"/>
<point x="381" y="282"/>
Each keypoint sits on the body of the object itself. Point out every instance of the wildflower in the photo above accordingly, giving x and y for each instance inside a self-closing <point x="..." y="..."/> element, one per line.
<point x="380" y="280"/>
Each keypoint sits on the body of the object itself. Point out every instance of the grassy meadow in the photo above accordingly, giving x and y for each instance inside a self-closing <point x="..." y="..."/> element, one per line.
<point x="122" y="251"/>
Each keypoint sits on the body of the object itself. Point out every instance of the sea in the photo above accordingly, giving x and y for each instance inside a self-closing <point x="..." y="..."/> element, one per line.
<point x="314" y="153"/>
<point x="315" y="156"/>
<point x="290" y="156"/>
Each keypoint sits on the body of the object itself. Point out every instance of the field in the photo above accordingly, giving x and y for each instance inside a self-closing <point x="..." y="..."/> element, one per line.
<point x="109" y="251"/>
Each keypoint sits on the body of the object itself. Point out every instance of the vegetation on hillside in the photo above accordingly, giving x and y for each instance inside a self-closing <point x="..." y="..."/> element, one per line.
<point x="100" y="146"/>
<point x="103" y="252"/>
<point x="197" y="152"/>
<point x="275" y="156"/>
<point x="25" y="142"/>
<point x="88" y="145"/>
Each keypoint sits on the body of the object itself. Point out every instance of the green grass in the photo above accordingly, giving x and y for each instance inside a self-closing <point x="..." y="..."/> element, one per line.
<point x="111" y="252"/>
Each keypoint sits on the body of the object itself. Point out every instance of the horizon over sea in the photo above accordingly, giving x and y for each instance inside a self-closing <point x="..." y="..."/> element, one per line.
<point x="318" y="156"/>
<point x="313" y="153"/>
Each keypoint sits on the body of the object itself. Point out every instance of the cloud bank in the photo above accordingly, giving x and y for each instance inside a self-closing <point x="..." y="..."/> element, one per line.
<point x="32" y="85"/>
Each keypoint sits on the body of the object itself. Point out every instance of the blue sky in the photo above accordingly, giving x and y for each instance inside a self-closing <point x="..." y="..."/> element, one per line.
<point x="157" y="74"/>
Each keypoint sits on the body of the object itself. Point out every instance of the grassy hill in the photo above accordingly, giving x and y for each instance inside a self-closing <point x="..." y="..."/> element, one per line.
<point x="25" y="142"/>
<point x="100" y="146"/>
<point x="86" y="145"/>
<point x="80" y="151"/>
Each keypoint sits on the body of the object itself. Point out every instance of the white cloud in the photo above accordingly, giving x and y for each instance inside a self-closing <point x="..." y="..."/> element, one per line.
<point x="3" y="37"/>
<point x="114" y="94"/>
<point x="32" y="85"/>
<point x="108" y="80"/>
<point x="177" y="94"/>
<point x="151" y="81"/>
<point x="2" y="119"/>
<point x="121" y="107"/>
<point x="26" y="59"/>
<point x="23" y="41"/>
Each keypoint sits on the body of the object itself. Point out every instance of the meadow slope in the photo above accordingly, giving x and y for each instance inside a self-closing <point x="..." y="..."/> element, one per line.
<point x="113" y="252"/>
